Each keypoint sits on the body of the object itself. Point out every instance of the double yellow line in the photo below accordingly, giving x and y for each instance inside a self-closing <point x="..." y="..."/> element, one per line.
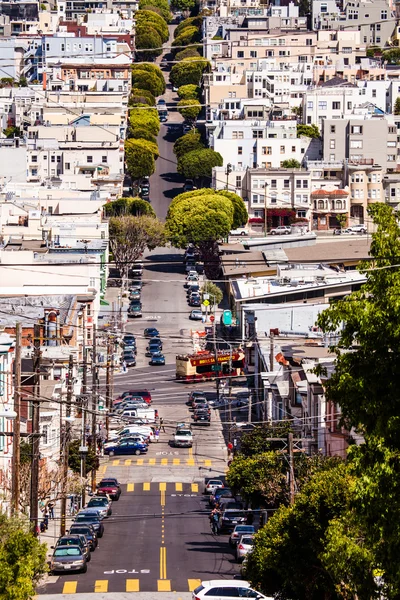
<point x="163" y="562"/>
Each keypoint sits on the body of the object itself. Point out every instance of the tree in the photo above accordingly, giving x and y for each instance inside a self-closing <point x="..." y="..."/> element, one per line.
<point x="148" y="77"/>
<point x="392" y="56"/>
<point x="190" y="35"/>
<point x="189" y="52"/>
<point x="187" y="143"/>
<point x="22" y="559"/>
<point x="189" y="108"/>
<point x="190" y="22"/>
<point x="216" y="294"/>
<point x="198" y="164"/>
<point x="291" y="163"/>
<point x="139" y="158"/>
<point x="131" y="236"/>
<point x="145" y="118"/>
<point x="183" y="5"/>
<point x="287" y="558"/>
<point x="257" y="440"/>
<point x="128" y="206"/>
<point x="147" y="17"/>
<point x="304" y="8"/>
<point x="139" y="96"/>
<point x="311" y="131"/>
<point x="396" y="109"/>
<point x="342" y="220"/>
<point x="189" y="92"/>
<point x="74" y="458"/>
<point x="188" y="71"/>
<point x="162" y="5"/>
<point x="144" y="134"/>
<point x="148" y="43"/>
<point x="12" y="131"/>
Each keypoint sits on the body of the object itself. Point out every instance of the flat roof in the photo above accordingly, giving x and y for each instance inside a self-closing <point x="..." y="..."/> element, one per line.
<point x="353" y="248"/>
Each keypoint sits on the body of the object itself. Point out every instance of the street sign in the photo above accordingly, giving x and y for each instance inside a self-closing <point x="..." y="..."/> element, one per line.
<point x="212" y="318"/>
<point x="206" y="296"/>
<point x="227" y="317"/>
<point x="206" y="303"/>
<point x="216" y="368"/>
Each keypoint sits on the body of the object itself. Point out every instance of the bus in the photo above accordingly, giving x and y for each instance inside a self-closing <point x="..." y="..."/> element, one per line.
<point x="202" y="365"/>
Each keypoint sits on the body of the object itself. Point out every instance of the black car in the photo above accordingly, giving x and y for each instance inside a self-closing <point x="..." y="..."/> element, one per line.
<point x="195" y="301"/>
<point x="151" y="332"/>
<point x="90" y="519"/>
<point x="155" y="343"/>
<point x="88" y="532"/>
<point x="193" y="287"/>
<point x="201" y="417"/>
<point x="230" y="518"/>
<point x="76" y="539"/>
<point x="135" y="284"/>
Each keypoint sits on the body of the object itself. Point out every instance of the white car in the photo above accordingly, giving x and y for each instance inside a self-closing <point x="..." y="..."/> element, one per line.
<point x="281" y="230"/>
<point x="244" y="547"/>
<point x="239" y="231"/>
<point x="354" y="229"/>
<point x="238" y="532"/>
<point x="213" y="485"/>
<point x="228" y="589"/>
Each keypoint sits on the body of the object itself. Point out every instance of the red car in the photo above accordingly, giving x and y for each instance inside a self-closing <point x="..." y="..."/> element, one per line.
<point x="111" y="487"/>
<point x="142" y="393"/>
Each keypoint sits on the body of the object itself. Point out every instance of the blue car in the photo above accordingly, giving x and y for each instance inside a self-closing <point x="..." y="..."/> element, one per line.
<point x="126" y="447"/>
<point x="157" y="359"/>
<point x="151" y="332"/>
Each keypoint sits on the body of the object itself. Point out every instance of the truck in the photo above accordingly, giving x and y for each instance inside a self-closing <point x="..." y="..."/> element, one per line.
<point x="148" y="414"/>
<point x="183" y="437"/>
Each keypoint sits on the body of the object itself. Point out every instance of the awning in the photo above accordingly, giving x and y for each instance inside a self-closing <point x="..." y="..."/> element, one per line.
<point x="104" y="303"/>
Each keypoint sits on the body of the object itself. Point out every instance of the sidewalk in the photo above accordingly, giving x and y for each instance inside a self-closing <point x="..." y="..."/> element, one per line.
<point x="52" y="534"/>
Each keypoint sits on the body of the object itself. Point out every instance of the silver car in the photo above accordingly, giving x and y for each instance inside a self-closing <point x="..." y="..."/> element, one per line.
<point x="68" y="558"/>
<point x="244" y="547"/>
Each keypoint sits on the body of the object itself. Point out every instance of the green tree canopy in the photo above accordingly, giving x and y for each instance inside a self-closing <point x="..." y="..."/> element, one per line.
<point x="162" y="5"/>
<point x="189" y="108"/>
<point x="74" y="457"/>
<point x="392" y="56"/>
<point x="148" y="43"/>
<point x="396" y="109"/>
<point x="139" y="158"/>
<point x="311" y="131"/>
<point x="189" y="92"/>
<point x="190" y="22"/>
<point x="190" y="35"/>
<point x="139" y="96"/>
<point x="128" y="206"/>
<point x="147" y="17"/>
<point x="188" y="71"/>
<point x="187" y="143"/>
<point x="12" y="131"/>
<point x="216" y="294"/>
<point x="291" y="163"/>
<point x="142" y="72"/>
<point x="140" y="133"/>
<point x="22" y="560"/>
<point x="288" y="553"/>
<point x="145" y="118"/>
<point x="131" y="236"/>
<point x="183" y="5"/>
<point x="198" y="164"/>
<point x="189" y="52"/>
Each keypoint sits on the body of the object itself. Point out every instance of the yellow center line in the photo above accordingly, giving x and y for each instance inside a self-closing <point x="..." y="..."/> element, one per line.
<point x="163" y="562"/>
<point x="190" y="452"/>
<point x="162" y="497"/>
<point x="176" y="461"/>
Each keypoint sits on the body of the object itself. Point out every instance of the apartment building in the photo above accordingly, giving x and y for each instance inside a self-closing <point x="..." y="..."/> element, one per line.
<point x="7" y="347"/>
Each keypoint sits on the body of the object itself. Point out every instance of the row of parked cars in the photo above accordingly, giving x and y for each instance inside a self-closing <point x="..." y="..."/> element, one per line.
<point x="153" y="349"/>
<point x="200" y="408"/>
<point x="135" y="292"/>
<point x="73" y="551"/>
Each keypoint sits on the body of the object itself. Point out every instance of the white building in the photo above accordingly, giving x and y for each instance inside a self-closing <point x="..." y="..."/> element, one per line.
<point x="6" y="425"/>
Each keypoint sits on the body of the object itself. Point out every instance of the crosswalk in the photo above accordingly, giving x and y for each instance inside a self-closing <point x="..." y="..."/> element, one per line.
<point x="129" y="585"/>
<point x="153" y="462"/>
<point x="169" y="487"/>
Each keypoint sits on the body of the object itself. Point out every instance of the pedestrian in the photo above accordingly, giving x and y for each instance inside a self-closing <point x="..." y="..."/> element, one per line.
<point x="124" y="369"/>
<point x="162" y="424"/>
<point x="46" y="520"/>
<point x="42" y="526"/>
<point x="230" y="448"/>
<point x="50" y="506"/>
<point x="156" y="433"/>
<point x="214" y="520"/>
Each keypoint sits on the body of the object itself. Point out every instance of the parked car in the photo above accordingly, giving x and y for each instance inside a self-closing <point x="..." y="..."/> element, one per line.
<point x="135" y="284"/>
<point x="88" y="532"/>
<point x="354" y="229"/>
<point x="75" y="540"/>
<point x="230" y="518"/>
<point x="212" y="485"/>
<point x="202" y="417"/>
<point x="239" y="231"/>
<point x="128" y="358"/>
<point x="135" y="309"/>
<point x="111" y="487"/>
<point x="151" y="332"/>
<point x="90" y="519"/>
<point x="238" y="532"/>
<point x="125" y="446"/>
<point x="129" y="342"/>
<point x="195" y="394"/>
<point x="196" y="315"/>
<point x="189" y="183"/>
<point x="218" y="494"/>
<point x="244" y="547"/>
<point x="281" y="230"/>
<point x="68" y="558"/>
<point x="101" y="502"/>
<point x="228" y="589"/>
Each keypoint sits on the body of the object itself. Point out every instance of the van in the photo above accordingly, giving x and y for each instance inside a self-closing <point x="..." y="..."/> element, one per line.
<point x="132" y="429"/>
<point x="139" y="413"/>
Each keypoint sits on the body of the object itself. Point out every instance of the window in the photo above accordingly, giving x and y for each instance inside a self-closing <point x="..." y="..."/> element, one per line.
<point x="391" y="157"/>
<point x="293" y="148"/>
<point x="356" y="144"/>
<point x="240" y="54"/>
<point x="89" y="159"/>
<point x="309" y="42"/>
<point x="34" y="158"/>
<point x="257" y="133"/>
<point x="310" y="104"/>
<point x="237" y="135"/>
<point x="53" y="159"/>
<point x="255" y="198"/>
<point x="286" y="184"/>
<point x="357" y="129"/>
<point x="383" y="15"/>
<point x="45" y="434"/>
<point x="238" y="181"/>
<point x="253" y="53"/>
<point x="322" y="105"/>
<point x="282" y="150"/>
<point x="240" y="149"/>
<point x="273" y="198"/>
<point x="333" y="128"/>
<point x="215" y="48"/>
<point x="374" y="93"/>
<point x="335" y="105"/>
<point x="393" y="192"/>
<point x="298" y="183"/>
<point x="378" y="27"/>
<point x="305" y="183"/>
<point x="67" y="166"/>
<point x="332" y="144"/>
<point x="392" y="144"/>
<point x="301" y="214"/>
<point x="255" y="183"/>
<point x="34" y="172"/>
<point x="349" y="106"/>
<point x="273" y="184"/>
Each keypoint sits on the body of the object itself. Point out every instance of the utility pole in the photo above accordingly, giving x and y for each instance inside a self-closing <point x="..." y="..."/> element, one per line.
<point x="217" y="381"/>
<point x="291" y="468"/>
<point x="109" y="376"/>
<point x="17" y="422"/>
<point x="66" y="445"/>
<point x="94" y="403"/>
<point x="84" y="404"/>
<point x="228" y="172"/>
<point x="34" y="498"/>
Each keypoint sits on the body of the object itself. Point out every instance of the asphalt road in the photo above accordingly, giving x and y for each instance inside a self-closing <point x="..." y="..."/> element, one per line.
<point x="165" y="183"/>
